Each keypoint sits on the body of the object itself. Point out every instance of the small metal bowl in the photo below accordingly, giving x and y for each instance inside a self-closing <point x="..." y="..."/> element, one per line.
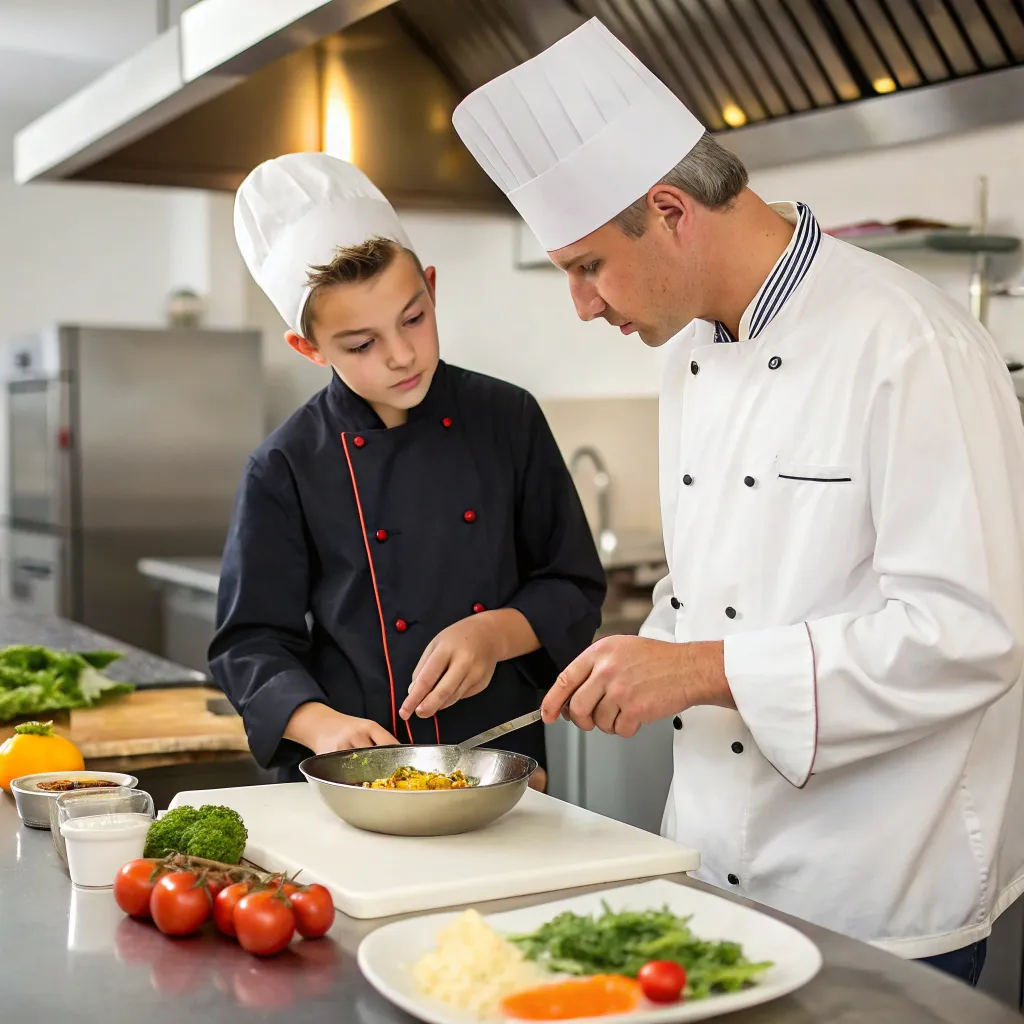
<point x="502" y="780"/>
<point x="34" y="803"/>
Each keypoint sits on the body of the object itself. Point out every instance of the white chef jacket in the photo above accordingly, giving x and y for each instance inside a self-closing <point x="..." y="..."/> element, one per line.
<point x="843" y="502"/>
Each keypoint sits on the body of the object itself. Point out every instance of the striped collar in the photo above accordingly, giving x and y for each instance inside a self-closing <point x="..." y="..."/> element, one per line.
<point x="785" y="276"/>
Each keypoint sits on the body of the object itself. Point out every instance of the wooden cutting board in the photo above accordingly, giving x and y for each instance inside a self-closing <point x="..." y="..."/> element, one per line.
<point x="149" y="722"/>
<point x="542" y="845"/>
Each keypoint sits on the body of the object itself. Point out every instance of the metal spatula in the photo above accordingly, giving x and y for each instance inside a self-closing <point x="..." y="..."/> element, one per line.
<point x="499" y="730"/>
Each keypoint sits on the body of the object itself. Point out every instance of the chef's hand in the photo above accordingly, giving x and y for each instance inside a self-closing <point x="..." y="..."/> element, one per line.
<point x="325" y="730"/>
<point x="624" y="682"/>
<point x="460" y="661"/>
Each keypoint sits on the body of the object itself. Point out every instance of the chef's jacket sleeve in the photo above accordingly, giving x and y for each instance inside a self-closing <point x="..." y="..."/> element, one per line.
<point x="945" y="468"/>
<point x="259" y="651"/>
<point x="563" y="582"/>
<point x="661" y="622"/>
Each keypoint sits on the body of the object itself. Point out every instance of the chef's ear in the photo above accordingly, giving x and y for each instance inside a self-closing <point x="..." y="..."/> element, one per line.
<point x="430" y="276"/>
<point x="670" y="205"/>
<point x="305" y="348"/>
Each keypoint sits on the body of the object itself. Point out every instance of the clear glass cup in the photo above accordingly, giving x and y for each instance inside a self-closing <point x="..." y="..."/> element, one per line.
<point x="118" y="833"/>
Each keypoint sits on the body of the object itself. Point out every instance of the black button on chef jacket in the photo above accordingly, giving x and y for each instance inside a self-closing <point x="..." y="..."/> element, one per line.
<point x="314" y="500"/>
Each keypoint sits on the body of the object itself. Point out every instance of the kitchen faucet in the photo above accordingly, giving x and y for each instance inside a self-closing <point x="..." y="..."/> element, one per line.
<point x="606" y="539"/>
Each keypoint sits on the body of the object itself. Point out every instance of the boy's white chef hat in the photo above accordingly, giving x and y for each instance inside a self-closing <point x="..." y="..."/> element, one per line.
<point x="576" y="134"/>
<point x="295" y="211"/>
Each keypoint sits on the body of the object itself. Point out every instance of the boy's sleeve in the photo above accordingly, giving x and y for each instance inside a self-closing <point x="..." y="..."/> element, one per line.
<point x="260" y="650"/>
<point x="563" y="583"/>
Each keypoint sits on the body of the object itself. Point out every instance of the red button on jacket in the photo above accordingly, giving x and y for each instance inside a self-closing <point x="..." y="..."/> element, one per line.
<point x="469" y="515"/>
<point x="381" y="535"/>
<point x="478" y="608"/>
<point x="401" y="625"/>
<point x="359" y="441"/>
<point x="447" y="421"/>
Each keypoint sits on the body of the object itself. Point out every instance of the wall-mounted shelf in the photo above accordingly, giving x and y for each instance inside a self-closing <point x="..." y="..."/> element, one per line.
<point x="949" y="240"/>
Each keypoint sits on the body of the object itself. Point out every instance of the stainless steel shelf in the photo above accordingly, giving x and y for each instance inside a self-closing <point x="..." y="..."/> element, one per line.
<point x="950" y="240"/>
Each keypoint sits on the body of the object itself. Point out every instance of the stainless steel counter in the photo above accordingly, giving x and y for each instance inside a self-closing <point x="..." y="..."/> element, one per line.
<point x="70" y="955"/>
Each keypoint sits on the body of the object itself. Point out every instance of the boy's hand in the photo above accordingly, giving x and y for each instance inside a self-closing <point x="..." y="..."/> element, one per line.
<point x="459" y="662"/>
<point x="325" y="730"/>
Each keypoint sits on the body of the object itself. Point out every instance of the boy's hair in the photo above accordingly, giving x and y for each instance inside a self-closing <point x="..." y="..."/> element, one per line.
<point x="351" y="264"/>
<point x="709" y="173"/>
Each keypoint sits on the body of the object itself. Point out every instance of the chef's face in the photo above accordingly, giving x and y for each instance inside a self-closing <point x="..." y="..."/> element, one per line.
<point x="651" y="285"/>
<point x="380" y="335"/>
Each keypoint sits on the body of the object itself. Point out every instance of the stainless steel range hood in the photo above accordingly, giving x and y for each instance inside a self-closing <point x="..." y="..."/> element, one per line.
<point x="237" y="81"/>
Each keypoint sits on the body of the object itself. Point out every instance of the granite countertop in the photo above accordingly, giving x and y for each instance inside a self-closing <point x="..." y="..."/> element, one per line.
<point x="71" y="955"/>
<point x="21" y="626"/>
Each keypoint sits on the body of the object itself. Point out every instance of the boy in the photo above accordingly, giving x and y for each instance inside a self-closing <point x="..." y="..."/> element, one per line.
<point x="420" y="514"/>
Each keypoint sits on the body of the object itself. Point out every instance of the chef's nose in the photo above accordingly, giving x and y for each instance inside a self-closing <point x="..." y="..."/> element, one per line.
<point x="586" y="298"/>
<point x="400" y="352"/>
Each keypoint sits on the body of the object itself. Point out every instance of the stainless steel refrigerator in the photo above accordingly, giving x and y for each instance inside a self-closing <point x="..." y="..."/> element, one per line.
<point x="122" y="444"/>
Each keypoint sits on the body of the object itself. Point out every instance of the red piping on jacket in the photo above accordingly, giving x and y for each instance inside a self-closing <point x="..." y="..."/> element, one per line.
<point x="380" y="608"/>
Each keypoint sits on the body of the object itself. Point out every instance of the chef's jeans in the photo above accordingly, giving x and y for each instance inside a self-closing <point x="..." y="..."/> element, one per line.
<point x="965" y="963"/>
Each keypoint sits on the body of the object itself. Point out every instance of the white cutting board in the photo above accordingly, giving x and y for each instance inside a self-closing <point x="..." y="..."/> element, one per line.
<point x="542" y="845"/>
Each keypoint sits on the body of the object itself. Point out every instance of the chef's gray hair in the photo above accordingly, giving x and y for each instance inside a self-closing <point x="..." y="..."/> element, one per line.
<point x="709" y="172"/>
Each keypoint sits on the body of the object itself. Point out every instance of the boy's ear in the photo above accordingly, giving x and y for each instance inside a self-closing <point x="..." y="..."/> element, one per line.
<point x="305" y="348"/>
<point x="430" y="276"/>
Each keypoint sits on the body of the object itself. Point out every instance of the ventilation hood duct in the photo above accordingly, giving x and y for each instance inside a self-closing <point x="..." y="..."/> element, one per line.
<point x="375" y="81"/>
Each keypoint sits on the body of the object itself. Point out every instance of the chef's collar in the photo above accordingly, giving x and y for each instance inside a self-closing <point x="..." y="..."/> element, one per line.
<point x="355" y="413"/>
<point x="785" y="277"/>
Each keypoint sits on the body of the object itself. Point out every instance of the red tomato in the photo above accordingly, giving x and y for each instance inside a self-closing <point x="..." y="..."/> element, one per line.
<point x="264" y="923"/>
<point x="180" y="903"/>
<point x="314" y="911"/>
<point x="663" y="981"/>
<point x="224" y="906"/>
<point x="216" y="886"/>
<point x="133" y="886"/>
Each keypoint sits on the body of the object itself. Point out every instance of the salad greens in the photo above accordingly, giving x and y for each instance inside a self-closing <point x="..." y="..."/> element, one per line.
<point x="621" y="943"/>
<point x="34" y="680"/>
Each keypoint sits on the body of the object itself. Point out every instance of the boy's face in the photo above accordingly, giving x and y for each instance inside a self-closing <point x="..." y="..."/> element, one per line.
<point x="380" y="335"/>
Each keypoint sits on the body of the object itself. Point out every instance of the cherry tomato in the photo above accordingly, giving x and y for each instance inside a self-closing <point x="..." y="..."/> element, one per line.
<point x="314" y="911"/>
<point x="180" y="903"/>
<point x="133" y="886"/>
<point x="224" y="906"/>
<point x="663" y="981"/>
<point x="264" y="922"/>
<point x="215" y="886"/>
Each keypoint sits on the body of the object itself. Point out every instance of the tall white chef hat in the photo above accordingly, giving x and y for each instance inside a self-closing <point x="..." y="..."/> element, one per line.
<point x="576" y="134"/>
<point x="295" y="211"/>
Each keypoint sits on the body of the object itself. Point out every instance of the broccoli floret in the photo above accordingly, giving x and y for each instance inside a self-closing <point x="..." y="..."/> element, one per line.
<point x="167" y="835"/>
<point x="218" y="834"/>
<point x="210" y="831"/>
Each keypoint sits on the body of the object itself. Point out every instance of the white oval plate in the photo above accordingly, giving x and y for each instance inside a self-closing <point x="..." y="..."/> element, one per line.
<point x="386" y="956"/>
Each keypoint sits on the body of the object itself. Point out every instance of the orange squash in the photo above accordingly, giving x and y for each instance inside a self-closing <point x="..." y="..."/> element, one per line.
<point x="33" y="748"/>
<point x="598" y="996"/>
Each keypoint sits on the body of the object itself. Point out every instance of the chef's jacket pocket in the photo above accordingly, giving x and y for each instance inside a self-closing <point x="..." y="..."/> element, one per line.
<point x="814" y="473"/>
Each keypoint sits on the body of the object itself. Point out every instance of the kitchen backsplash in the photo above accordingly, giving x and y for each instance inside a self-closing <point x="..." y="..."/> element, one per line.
<point x="625" y="433"/>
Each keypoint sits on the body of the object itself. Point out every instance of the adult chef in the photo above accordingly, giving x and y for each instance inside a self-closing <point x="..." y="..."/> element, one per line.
<point x="839" y="638"/>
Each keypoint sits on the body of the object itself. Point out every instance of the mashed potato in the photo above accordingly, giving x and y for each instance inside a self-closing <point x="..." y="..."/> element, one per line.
<point x="473" y="968"/>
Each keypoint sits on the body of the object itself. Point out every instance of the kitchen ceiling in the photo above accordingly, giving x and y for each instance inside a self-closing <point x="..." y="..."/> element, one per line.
<point x="780" y="80"/>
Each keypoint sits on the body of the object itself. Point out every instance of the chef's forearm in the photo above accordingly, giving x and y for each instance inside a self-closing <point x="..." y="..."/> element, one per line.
<point x="703" y="675"/>
<point x="511" y="632"/>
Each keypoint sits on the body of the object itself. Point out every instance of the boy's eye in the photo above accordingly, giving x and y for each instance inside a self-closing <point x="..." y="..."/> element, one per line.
<point x="362" y="348"/>
<point x="413" y="320"/>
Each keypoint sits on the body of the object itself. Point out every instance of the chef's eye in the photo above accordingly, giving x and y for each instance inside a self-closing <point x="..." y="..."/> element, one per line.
<point x="590" y="268"/>
<point x="414" y="320"/>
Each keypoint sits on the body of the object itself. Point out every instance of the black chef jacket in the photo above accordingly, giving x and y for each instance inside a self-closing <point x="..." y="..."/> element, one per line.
<point x="387" y="536"/>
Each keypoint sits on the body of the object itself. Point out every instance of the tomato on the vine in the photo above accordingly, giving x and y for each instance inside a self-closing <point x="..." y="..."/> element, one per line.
<point x="224" y="906"/>
<point x="264" y="922"/>
<point x="314" y="911"/>
<point x="180" y="903"/>
<point x="133" y="886"/>
<point x="662" y="981"/>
